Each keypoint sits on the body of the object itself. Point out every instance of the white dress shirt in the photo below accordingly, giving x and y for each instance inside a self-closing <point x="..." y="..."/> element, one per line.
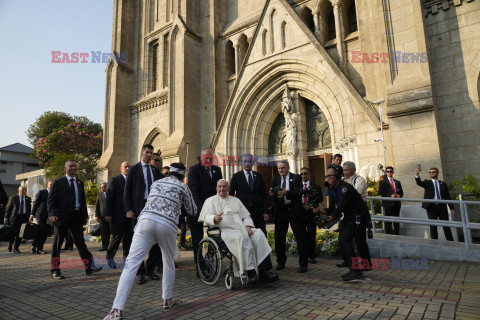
<point x="77" y="200"/>
<point x="145" y="172"/>
<point x="287" y="186"/>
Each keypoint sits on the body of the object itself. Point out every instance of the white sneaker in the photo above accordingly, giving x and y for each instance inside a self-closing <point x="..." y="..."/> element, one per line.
<point x="114" y="314"/>
<point x="167" y="304"/>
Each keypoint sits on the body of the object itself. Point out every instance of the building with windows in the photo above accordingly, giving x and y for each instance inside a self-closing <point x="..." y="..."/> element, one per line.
<point x="15" y="159"/>
<point x="298" y="80"/>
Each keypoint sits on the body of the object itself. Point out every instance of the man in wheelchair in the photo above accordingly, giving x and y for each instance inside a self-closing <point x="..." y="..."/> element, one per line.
<point x="248" y="244"/>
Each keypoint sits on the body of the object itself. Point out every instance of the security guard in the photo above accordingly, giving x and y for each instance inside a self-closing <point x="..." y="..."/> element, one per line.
<point x="345" y="199"/>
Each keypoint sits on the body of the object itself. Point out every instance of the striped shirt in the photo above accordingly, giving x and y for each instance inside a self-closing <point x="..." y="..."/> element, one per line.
<point x="166" y="199"/>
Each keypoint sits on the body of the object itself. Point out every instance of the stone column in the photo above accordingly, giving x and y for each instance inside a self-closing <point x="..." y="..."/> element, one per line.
<point x="237" y="58"/>
<point x="318" y="26"/>
<point x="337" y="12"/>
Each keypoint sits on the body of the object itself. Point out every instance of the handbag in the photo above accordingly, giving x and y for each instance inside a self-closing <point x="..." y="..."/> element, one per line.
<point x="96" y="231"/>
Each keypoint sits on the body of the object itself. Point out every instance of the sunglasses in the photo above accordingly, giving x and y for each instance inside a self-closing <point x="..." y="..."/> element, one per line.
<point x="157" y="160"/>
<point x="304" y="173"/>
<point x="389" y="171"/>
<point x="433" y="171"/>
<point x="328" y="176"/>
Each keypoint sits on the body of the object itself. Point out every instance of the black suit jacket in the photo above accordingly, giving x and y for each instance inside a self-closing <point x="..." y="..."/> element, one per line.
<point x="257" y="198"/>
<point x="134" y="194"/>
<point x="14" y="205"/>
<point x="430" y="191"/>
<point x="60" y="201"/>
<point x="295" y="182"/>
<point x="114" y="206"/>
<point x="3" y="195"/>
<point x="40" y="206"/>
<point x="385" y="190"/>
<point x="201" y="185"/>
<point x="100" y="206"/>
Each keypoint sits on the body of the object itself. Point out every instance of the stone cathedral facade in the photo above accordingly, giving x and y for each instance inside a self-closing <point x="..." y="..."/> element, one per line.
<point x="298" y="80"/>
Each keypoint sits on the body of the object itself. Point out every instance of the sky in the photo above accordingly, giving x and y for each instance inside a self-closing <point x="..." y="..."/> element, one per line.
<point x="30" y="83"/>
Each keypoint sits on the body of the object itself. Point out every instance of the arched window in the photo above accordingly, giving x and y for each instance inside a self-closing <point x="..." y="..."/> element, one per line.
<point x="243" y="47"/>
<point x="277" y="143"/>
<point x="332" y="33"/>
<point x="229" y="59"/>
<point x="352" y="19"/>
<point x="284" y="34"/>
<point x="272" y="32"/>
<point x="264" y="42"/>
<point x="307" y="17"/>
<point x="165" y="60"/>
<point x="153" y="70"/>
<point x="318" y="132"/>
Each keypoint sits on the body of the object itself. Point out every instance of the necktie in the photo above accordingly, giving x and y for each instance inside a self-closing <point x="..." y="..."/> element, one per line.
<point x="21" y="206"/>
<point x="72" y="187"/>
<point x="149" y="178"/>
<point x="393" y="186"/>
<point x="250" y="181"/>
<point x="437" y="189"/>
<point x="284" y="183"/>
<point x="209" y="170"/>
<point x="305" y="198"/>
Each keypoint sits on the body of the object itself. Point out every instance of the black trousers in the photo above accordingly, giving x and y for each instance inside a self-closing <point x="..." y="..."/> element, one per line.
<point x="182" y="225"/>
<point x="439" y="211"/>
<point x="16" y="225"/>
<point x="68" y="240"/>
<point x="393" y="211"/>
<point x="196" y="229"/>
<point x="75" y="226"/>
<point x="121" y="232"/>
<point x="298" y="223"/>
<point x="257" y="219"/>
<point x="41" y="235"/>
<point x="105" y="232"/>
<point x="311" y="234"/>
<point x="351" y="231"/>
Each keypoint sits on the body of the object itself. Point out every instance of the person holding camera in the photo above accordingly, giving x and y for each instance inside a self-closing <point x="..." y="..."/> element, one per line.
<point x="285" y="194"/>
<point x="347" y="201"/>
<point x="311" y="198"/>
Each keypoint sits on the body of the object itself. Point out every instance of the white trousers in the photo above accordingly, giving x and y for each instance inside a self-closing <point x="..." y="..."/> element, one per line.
<point x="147" y="233"/>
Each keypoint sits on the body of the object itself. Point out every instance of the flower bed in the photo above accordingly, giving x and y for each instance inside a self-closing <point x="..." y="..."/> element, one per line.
<point x="326" y="242"/>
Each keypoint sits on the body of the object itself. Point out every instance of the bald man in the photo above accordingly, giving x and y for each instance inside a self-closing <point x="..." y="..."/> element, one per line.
<point x="18" y="211"/>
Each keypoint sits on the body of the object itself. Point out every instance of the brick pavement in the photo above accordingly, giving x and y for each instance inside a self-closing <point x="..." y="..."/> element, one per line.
<point x="447" y="290"/>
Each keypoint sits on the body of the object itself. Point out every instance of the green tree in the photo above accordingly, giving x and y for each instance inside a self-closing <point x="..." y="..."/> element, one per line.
<point x="86" y="166"/>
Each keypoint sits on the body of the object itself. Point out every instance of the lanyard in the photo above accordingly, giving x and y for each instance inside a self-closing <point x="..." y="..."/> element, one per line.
<point x="336" y="196"/>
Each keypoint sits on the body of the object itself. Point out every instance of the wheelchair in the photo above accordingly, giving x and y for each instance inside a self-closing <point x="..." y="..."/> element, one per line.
<point x="212" y="254"/>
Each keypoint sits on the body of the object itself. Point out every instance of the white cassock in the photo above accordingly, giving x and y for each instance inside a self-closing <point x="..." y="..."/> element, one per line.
<point x="249" y="251"/>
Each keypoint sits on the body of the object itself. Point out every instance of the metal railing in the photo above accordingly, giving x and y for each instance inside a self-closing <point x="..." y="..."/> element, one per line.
<point x="465" y="224"/>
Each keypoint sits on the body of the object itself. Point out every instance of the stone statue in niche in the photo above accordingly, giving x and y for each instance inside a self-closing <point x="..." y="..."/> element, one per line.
<point x="288" y="110"/>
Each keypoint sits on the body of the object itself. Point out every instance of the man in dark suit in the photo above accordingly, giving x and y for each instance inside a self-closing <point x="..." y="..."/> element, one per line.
<point x="309" y="215"/>
<point x="436" y="189"/>
<point x="248" y="186"/>
<point x="202" y="181"/>
<point x="17" y="213"/>
<point x="100" y="217"/>
<point x="391" y="188"/>
<point x="41" y="214"/>
<point x="140" y="177"/>
<point x="115" y="214"/>
<point x="3" y="201"/>
<point x="287" y="209"/>
<point x="67" y="210"/>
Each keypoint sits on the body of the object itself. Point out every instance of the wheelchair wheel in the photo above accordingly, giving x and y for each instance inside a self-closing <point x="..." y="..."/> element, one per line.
<point x="229" y="281"/>
<point x="209" y="259"/>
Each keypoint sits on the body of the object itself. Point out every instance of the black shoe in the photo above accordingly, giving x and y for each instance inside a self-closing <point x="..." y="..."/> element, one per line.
<point x="41" y="252"/>
<point x="112" y="264"/>
<point x="34" y="250"/>
<point x="267" y="276"/>
<point x="57" y="276"/>
<point x="71" y="249"/>
<point x="252" y="277"/>
<point x="342" y="265"/>
<point x="141" y="279"/>
<point x="16" y="251"/>
<point x="9" y="249"/>
<point x="313" y="261"/>
<point x="92" y="270"/>
<point x="153" y="276"/>
<point x="280" y="266"/>
<point x="353" y="275"/>
<point x="102" y="249"/>
<point x="302" y="269"/>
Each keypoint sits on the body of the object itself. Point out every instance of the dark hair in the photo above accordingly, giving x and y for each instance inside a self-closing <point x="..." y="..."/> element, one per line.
<point x="337" y="155"/>
<point x="436" y="169"/>
<point x="166" y="167"/>
<point x="156" y="154"/>
<point x="68" y="160"/>
<point x="389" y="167"/>
<point x="305" y="169"/>
<point x="336" y="169"/>
<point x="147" y="146"/>
<point x="177" y="175"/>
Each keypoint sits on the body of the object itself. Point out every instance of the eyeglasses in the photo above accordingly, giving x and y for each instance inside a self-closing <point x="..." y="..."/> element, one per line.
<point x="157" y="160"/>
<point x="328" y="176"/>
<point x="304" y="173"/>
<point x="389" y="171"/>
<point x="433" y="171"/>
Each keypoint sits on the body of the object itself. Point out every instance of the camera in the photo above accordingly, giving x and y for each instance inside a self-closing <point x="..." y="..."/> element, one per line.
<point x="313" y="198"/>
<point x="276" y="190"/>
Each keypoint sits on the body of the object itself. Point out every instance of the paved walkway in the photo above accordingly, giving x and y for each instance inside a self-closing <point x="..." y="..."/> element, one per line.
<point x="446" y="290"/>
